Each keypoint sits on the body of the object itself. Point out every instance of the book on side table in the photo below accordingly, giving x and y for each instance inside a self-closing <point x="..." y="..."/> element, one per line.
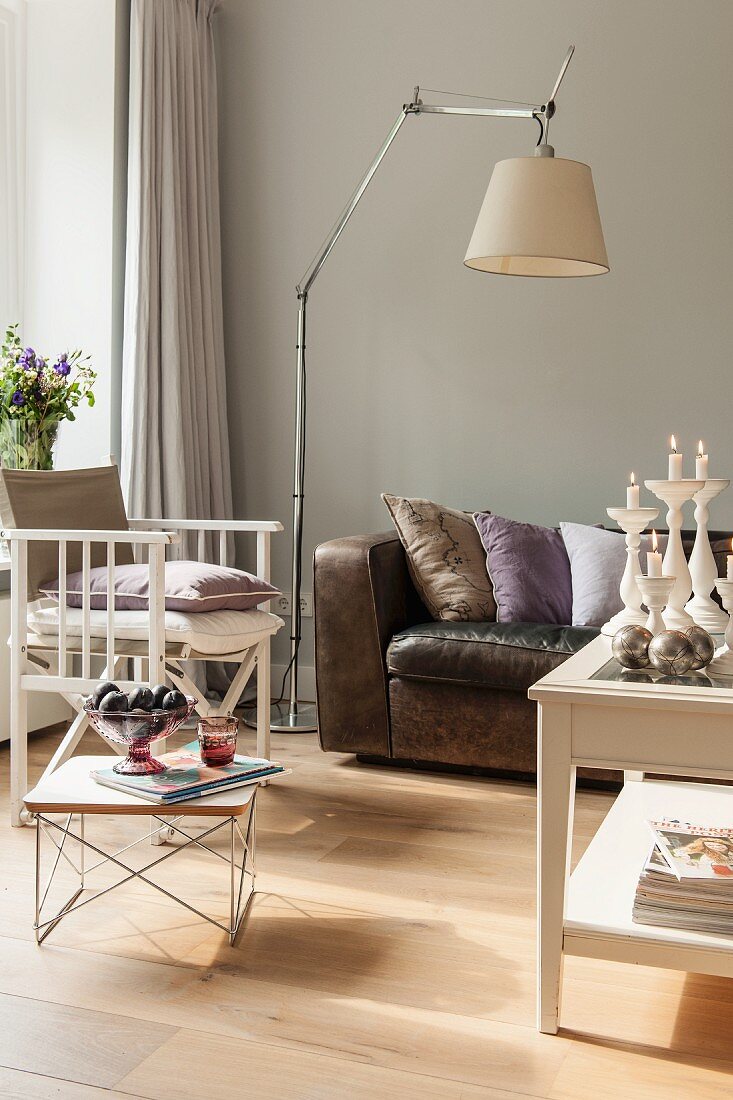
<point x="187" y="777"/>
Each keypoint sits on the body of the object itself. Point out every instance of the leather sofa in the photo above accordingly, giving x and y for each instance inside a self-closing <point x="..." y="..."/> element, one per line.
<point x="394" y="686"/>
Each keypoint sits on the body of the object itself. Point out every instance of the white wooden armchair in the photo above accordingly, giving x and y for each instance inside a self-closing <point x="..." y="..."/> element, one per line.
<point x="48" y="639"/>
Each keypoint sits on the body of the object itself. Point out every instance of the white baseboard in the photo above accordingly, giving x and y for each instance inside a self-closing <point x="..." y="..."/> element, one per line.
<point x="306" y="681"/>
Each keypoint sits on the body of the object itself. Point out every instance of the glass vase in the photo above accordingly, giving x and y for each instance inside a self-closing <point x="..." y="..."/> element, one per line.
<point x="27" y="444"/>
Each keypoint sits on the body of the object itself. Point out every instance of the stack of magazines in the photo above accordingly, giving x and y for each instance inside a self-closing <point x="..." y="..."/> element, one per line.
<point x="186" y="776"/>
<point x="687" y="880"/>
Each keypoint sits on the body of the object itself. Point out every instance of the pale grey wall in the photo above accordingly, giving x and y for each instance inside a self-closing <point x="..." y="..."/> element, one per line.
<point x="532" y="398"/>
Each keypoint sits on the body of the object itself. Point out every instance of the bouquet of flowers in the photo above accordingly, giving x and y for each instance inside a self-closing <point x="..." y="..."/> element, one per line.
<point x="35" y="396"/>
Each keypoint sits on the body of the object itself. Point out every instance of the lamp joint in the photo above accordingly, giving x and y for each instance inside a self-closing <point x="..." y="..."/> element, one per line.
<point x="413" y="107"/>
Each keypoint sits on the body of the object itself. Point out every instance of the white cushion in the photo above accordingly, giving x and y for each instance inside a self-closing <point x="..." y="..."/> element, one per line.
<point x="214" y="633"/>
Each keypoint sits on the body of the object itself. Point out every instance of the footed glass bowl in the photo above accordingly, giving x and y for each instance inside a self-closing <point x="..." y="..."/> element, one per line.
<point x="137" y="732"/>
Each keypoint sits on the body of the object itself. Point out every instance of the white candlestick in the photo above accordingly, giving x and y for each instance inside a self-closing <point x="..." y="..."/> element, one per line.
<point x="675" y="494"/>
<point x="632" y="521"/>
<point x="703" y="567"/>
<point x="632" y="494"/>
<point x="675" y="463"/>
<point x="701" y="464"/>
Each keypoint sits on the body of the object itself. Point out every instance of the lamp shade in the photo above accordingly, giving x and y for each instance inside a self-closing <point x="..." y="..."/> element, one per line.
<point x="539" y="217"/>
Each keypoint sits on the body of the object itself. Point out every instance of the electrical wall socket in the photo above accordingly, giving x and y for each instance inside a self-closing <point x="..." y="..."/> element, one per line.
<point x="281" y="605"/>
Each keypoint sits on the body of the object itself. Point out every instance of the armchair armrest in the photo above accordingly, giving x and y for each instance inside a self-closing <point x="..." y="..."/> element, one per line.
<point x="363" y="595"/>
<point x="33" y="534"/>
<point x="263" y="528"/>
<point x="207" y="524"/>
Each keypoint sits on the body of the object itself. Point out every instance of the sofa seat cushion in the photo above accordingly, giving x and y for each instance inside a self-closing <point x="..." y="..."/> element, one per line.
<point x="508" y="656"/>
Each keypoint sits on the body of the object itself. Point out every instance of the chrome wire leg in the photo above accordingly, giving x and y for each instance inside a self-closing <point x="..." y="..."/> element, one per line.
<point x="43" y="928"/>
<point x="37" y="919"/>
<point x="237" y="912"/>
<point x="232" y="865"/>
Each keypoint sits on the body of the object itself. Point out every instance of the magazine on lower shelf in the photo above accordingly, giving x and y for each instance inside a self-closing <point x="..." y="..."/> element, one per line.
<point x="187" y="777"/>
<point x="687" y="879"/>
<point x="695" y="851"/>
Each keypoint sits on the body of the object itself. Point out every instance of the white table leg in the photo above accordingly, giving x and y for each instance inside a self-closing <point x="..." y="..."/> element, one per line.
<point x="633" y="777"/>
<point x="555" y="804"/>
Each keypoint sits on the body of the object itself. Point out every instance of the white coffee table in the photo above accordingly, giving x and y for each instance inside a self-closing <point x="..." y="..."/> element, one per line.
<point x="588" y="717"/>
<point x="72" y="793"/>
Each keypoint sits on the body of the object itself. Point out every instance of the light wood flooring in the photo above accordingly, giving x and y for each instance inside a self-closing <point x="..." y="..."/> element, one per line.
<point x="389" y="955"/>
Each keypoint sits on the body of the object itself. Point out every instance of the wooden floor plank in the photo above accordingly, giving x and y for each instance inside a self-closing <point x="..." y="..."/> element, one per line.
<point x="606" y="1072"/>
<point x="245" y="1069"/>
<point x="225" y="1001"/>
<point x="92" y="1048"/>
<point x="21" y="1085"/>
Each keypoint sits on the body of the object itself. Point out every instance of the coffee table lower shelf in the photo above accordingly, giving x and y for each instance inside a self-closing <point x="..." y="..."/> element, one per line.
<point x="601" y="889"/>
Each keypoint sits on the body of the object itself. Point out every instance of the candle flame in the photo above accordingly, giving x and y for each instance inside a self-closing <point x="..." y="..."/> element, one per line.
<point x="700" y="451"/>
<point x="632" y="478"/>
<point x="654" y="541"/>
<point x="673" y="444"/>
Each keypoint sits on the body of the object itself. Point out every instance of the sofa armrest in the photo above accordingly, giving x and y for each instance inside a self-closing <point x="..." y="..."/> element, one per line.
<point x="363" y="595"/>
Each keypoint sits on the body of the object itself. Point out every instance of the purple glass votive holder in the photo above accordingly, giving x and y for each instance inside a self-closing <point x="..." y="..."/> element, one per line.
<point x="217" y="740"/>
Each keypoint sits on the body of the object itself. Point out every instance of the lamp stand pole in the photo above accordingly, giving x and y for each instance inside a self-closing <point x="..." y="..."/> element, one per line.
<point x="293" y="716"/>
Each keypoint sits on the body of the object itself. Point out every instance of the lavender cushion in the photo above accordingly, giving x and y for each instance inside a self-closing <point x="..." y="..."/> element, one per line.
<point x="597" y="562"/>
<point x="190" y="586"/>
<point x="529" y="569"/>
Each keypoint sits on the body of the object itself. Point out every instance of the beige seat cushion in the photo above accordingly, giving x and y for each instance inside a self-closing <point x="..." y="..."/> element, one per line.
<point x="214" y="633"/>
<point x="445" y="558"/>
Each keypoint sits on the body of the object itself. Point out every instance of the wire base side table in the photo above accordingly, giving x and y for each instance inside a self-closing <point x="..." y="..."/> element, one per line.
<point x="71" y="794"/>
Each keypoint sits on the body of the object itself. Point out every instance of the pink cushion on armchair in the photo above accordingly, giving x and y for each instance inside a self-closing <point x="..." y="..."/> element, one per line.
<point x="190" y="586"/>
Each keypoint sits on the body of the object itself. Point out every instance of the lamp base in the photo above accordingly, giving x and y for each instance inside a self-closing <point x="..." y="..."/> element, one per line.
<point x="282" y="721"/>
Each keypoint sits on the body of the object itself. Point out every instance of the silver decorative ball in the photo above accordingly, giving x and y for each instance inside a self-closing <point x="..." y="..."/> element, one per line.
<point x="671" y="652"/>
<point x="630" y="646"/>
<point x="703" y="646"/>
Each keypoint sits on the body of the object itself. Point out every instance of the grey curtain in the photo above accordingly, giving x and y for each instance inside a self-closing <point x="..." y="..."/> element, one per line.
<point x="175" y="446"/>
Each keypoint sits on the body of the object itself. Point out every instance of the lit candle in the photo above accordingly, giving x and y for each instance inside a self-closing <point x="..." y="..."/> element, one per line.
<point x="654" y="559"/>
<point x="701" y="464"/>
<point x="729" y="564"/>
<point x="632" y="493"/>
<point x="675" y="462"/>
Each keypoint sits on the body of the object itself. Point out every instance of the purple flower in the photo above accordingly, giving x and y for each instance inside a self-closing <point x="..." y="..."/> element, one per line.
<point x="18" y="398"/>
<point x="29" y="353"/>
<point x="62" y="367"/>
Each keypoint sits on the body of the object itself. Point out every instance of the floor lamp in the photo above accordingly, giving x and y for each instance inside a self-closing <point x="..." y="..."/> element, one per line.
<point x="539" y="218"/>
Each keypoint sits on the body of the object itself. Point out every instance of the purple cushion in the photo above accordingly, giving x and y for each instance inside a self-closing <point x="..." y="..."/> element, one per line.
<point x="190" y="586"/>
<point x="529" y="569"/>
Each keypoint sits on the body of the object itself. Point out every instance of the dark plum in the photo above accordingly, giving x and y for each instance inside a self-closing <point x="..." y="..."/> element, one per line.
<point x="100" y="691"/>
<point x="114" y="703"/>
<point x="159" y="693"/>
<point x="140" y="699"/>
<point x="174" y="700"/>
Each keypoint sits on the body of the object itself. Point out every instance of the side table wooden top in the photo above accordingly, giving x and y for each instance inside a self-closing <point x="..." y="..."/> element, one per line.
<point x="70" y="789"/>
